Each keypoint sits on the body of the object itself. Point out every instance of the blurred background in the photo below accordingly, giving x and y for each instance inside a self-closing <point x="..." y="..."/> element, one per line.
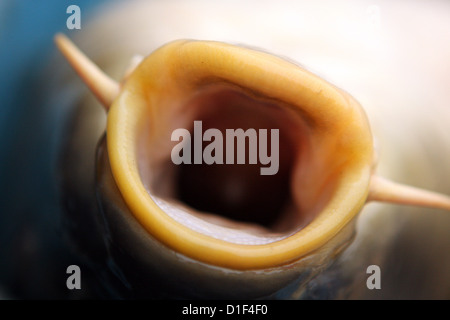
<point x="30" y="238"/>
<point x="394" y="57"/>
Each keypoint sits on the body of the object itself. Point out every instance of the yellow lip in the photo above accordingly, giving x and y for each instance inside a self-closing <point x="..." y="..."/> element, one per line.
<point x="180" y="67"/>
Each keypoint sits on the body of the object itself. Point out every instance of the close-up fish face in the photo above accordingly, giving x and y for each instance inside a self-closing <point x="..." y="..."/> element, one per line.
<point x="259" y="228"/>
<point x="204" y="161"/>
<point x="328" y="167"/>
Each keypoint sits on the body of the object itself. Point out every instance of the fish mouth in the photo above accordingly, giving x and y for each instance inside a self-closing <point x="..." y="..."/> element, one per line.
<point x="229" y="201"/>
<point x="230" y="215"/>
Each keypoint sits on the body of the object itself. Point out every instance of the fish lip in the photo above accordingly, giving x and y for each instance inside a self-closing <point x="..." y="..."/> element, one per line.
<point x="331" y="110"/>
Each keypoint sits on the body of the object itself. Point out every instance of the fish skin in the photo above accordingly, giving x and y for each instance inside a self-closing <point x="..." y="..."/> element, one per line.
<point x="150" y="269"/>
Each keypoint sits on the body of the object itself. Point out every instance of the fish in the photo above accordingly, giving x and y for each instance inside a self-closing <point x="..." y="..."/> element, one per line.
<point x="151" y="235"/>
<point x="135" y="239"/>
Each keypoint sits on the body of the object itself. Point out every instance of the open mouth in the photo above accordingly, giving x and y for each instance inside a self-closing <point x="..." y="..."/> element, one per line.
<point x="233" y="202"/>
<point x="230" y="214"/>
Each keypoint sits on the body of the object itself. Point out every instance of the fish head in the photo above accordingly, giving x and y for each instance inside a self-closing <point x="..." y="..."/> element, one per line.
<point x="225" y="229"/>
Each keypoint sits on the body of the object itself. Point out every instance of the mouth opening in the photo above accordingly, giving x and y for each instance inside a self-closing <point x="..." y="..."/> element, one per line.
<point x="233" y="202"/>
<point x="240" y="192"/>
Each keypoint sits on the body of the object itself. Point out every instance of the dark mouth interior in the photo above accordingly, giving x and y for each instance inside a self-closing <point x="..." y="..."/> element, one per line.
<point x="233" y="196"/>
<point x="238" y="192"/>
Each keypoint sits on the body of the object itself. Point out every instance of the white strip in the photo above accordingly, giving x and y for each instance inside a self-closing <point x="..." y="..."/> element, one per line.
<point x="211" y="230"/>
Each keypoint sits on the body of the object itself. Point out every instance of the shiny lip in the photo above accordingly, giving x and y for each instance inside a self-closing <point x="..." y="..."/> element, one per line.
<point x="186" y="64"/>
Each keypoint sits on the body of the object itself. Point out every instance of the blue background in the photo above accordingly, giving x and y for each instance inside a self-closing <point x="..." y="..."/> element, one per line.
<point x="29" y="124"/>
